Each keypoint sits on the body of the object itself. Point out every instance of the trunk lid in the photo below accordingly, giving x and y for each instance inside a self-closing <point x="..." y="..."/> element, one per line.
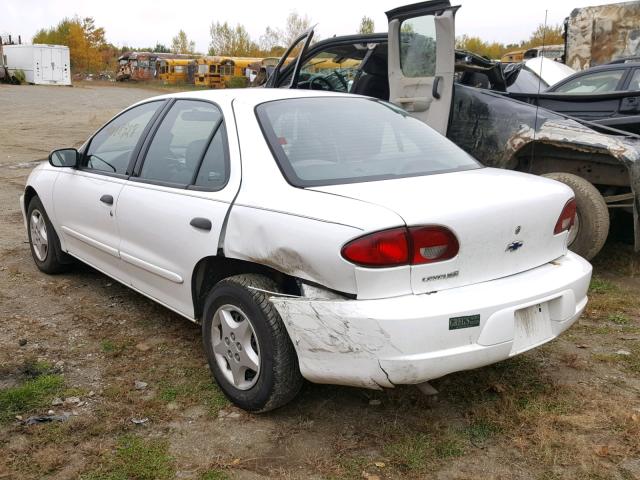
<point x="503" y="220"/>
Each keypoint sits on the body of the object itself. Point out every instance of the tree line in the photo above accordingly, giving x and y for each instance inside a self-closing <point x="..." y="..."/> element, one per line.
<point x="90" y="51"/>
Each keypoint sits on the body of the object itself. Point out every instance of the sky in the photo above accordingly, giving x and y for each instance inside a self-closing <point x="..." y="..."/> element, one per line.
<point x="143" y="23"/>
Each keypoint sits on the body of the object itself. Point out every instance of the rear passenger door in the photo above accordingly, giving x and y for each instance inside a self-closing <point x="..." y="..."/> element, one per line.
<point x="172" y="210"/>
<point x="422" y="60"/>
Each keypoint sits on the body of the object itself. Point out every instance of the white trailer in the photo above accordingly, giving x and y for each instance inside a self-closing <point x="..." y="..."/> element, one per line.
<point x="41" y="64"/>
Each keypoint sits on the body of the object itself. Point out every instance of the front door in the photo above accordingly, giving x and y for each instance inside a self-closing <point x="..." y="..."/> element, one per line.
<point x="172" y="211"/>
<point x="85" y="199"/>
<point x="422" y="60"/>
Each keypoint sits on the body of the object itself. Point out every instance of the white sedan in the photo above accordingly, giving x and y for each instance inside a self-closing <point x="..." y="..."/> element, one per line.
<point x="313" y="235"/>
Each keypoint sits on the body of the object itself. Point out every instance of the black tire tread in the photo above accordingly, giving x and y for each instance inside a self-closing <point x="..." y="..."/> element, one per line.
<point x="594" y="214"/>
<point x="287" y="378"/>
<point x="57" y="261"/>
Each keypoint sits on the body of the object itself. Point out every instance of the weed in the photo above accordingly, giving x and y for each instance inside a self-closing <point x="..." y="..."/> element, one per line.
<point x="214" y="475"/>
<point x="599" y="285"/>
<point x="32" y="394"/>
<point x="619" y="318"/>
<point x="136" y="458"/>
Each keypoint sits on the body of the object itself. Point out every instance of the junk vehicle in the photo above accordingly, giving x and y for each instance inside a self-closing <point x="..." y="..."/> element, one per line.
<point x="597" y="35"/>
<point x="176" y="70"/>
<point x="311" y="244"/>
<point x="415" y="67"/>
<point x="553" y="52"/>
<point x="606" y="95"/>
<point x="42" y="64"/>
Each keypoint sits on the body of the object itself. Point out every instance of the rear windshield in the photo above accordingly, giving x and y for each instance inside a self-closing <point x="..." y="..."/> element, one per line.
<point x="335" y="140"/>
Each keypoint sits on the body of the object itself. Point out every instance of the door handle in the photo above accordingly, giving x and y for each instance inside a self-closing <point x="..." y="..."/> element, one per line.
<point x="435" y="92"/>
<point x="108" y="199"/>
<point x="201" y="223"/>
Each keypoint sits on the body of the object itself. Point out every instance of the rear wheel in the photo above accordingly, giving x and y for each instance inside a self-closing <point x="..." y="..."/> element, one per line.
<point x="43" y="240"/>
<point x="591" y="228"/>
<point x="247" y="345"/>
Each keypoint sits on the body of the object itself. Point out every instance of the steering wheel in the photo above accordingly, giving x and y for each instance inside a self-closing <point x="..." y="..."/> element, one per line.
<point x="320" y="79"/>
<point x="341" y="78"/>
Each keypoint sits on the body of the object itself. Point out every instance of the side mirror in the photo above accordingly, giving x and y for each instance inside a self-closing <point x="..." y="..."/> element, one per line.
<point x="64" y="157"/>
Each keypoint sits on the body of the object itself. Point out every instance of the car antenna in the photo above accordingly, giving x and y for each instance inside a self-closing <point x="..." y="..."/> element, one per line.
<point x="535" y="125"/>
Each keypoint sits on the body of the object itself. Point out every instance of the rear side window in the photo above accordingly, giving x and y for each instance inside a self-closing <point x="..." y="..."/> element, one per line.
<point x="597" y="82"/>
<point x="111" y="148"/>
<point x="189" y="147"/>
<point x="334" y="140"/>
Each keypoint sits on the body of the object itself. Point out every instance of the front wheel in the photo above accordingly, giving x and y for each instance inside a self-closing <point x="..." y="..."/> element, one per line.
<point x="247" y="345"/>
<point x="43" y="240"/>
<point x="591" y="227"/>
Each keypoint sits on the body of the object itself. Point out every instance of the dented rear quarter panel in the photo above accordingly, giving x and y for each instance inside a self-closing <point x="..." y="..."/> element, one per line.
<point x="298" y="231"/>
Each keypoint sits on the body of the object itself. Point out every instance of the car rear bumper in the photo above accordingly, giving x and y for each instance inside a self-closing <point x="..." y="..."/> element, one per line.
<point x="413" y="338"/>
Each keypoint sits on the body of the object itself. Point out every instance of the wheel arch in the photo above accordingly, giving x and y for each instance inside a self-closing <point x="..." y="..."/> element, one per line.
<point x="210" y="270"/>
<point x="598" y="167"/>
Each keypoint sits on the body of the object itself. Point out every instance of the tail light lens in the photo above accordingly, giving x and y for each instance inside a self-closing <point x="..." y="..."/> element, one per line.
<point x="402" y="246"/>
<point x="567" y="217"/>
<point x="388" y="248"/>
<point x="432" y="244"/>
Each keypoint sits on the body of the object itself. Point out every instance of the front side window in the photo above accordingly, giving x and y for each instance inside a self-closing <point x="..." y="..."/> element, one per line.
<point x="183" y="142"/>
<point x="324" y="141"/>
<point x="334" y="69"/>
<point x="598" y="82"/>
<point x="418" y="47"/>
<point x="111" y="148"/>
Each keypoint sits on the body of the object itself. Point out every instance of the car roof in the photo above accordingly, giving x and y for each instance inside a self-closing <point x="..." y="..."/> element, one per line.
<point x="253" y="96"/>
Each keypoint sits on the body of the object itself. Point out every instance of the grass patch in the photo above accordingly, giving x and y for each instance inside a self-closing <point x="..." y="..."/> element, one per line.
<point x="481" y="430"/>
<point x="198" y="388"/>
<point x="418" y="452"/>
<point x="599" y="285"/>
<point x="214" y="475"/>
<point x="32" y="394"/>
<point x="619" y="319"/>
<point x="136" y="459"/>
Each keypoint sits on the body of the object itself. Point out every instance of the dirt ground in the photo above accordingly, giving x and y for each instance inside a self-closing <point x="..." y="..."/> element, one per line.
<point x="79" y="342"/>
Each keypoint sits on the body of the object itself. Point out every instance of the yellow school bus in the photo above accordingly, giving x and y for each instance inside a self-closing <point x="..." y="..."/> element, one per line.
<point x="207" y="71"/>
<point x="172" y="70"/>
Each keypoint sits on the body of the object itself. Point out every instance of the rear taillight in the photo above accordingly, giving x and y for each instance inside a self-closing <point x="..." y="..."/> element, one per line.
<point x="402" y="246"/>
<point x="388" y="248"/>
<point x="432" y="244"/>
<point x="567" y="217"/>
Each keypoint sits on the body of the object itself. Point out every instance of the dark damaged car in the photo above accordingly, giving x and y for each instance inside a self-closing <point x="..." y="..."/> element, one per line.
<point x="416" y="67"/>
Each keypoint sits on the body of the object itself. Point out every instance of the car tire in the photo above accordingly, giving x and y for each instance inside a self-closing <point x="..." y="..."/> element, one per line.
<point x="592" y="221"/>
<point x="44" y="242"/>
<point x="277" y="380"/>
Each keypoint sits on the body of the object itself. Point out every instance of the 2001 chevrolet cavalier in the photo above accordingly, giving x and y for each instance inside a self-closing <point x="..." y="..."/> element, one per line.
<point x="315" y="235"/>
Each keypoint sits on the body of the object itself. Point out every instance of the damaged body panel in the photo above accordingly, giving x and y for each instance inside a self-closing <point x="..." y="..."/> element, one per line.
<point x="415" y="338"/>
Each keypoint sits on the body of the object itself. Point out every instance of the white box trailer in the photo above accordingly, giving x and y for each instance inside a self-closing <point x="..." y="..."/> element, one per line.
<point x="41" y="64"/>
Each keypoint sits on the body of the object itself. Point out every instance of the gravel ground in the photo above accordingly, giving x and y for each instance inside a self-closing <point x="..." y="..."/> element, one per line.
<point x="568" y="410"/>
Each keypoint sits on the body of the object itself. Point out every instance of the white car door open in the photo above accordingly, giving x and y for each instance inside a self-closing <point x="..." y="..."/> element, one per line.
<point x="172" y="210"/>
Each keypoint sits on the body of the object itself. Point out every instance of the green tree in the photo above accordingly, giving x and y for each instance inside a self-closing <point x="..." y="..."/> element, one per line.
<point x="160" y="48"/>
<point x="181" y="44"/>
<point x="232" y="41"/>
<point x="86" y="42"/>
<point x="544" y="35"/>
<point x="366" y="25"/>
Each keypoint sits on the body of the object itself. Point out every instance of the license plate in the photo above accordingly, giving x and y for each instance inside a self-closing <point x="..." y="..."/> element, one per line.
<point x="532" y="327"/>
